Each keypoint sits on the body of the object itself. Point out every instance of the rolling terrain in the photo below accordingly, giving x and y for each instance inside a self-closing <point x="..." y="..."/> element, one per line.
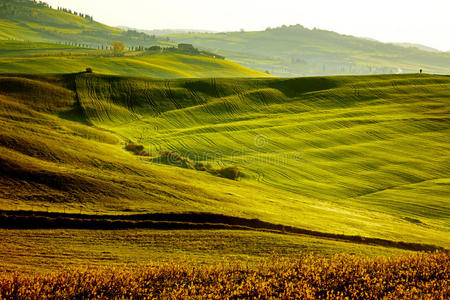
<point x="363" y="157"/>
<point x="132" y="166"/>
<point x="362" y="142"/>
<point x="285" y="51"/>
<point x="298" y="51"/>
<point x="36" y="58"/>
<point x="27" y="20"/>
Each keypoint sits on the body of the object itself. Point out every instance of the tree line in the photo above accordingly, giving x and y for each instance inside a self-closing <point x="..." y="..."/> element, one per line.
<point x="69" y="11"/>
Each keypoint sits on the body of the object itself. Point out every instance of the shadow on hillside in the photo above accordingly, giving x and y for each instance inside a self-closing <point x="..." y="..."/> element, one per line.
<point x="179" y="221"/>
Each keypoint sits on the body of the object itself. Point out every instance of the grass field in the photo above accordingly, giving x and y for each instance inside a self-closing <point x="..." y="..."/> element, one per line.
<point x="36" y="58"/>
<point x="362" y="143"/>
<point x="175" y="173"/>
<point x="158" y="66"/>
<point x="364" y="156"/>
<point x="35" y="49"/>
<point x="50" y="250"/>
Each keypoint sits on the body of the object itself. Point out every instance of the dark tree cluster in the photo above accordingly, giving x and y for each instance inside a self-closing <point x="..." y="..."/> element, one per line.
<point x="10" y="7"/>
<point x="69" y="11"/>
<point x="134" y="37"/>
<point x="40" y="3"/>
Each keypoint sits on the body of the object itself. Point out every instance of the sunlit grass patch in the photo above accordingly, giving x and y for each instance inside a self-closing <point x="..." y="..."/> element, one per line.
<point x="308" y="277"/>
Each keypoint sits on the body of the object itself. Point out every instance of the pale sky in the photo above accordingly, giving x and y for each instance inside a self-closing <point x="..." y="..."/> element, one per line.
<point x="415" y="21"/>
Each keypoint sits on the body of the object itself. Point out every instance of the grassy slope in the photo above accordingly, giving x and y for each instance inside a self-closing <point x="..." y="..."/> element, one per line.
<point x="48" y="250"/>
<point x="159" y="66"/>
<point x="27" y="21"/>
<point x="33" y="23"/>
<point x="32" y="57"/>
<point x="33" y="49"/>
<point x="338" y="154"/>
<point x="297" y="51"/>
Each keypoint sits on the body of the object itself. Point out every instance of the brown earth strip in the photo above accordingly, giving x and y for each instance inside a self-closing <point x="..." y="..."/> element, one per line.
<point x="182" y="221"/>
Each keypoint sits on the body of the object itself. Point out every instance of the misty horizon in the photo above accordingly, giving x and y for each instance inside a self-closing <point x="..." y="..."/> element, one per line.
<point x="399" y="22"/>
<point x="168" y="31"/>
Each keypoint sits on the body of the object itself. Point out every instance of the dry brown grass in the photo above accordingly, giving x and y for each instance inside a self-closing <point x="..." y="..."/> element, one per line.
<point x="309" y="277"/>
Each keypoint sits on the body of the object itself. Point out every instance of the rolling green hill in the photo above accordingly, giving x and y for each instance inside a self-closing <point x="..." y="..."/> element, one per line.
<point x="285" y="51"/>
<point x="38" y="39"/>
<point x="27" y="20"/>
<point x="34" y="57"/>
<point x="365" y="156"/>
<point x="296" y="50"/>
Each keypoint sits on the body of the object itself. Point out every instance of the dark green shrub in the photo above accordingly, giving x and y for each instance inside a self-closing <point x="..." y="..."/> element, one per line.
<point x="174" y="159"/>
<point x="230" y="172"/>
<point x="155" y="48"/>
<point x="172" y="156"/>
<point x="136" y="149"/>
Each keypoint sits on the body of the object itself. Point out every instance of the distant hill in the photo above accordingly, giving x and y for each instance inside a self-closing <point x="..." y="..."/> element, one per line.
<point x="166" y="31"/>
<point x="418" y="46"/>
<point x="296" y="50"/>
<point x="27" y="20"/>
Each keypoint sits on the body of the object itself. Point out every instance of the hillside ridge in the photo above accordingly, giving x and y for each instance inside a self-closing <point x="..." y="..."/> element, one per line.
<point x="298" y="51"/>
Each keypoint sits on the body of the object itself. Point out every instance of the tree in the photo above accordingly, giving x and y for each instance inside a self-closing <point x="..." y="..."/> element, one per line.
<point x="118" y="48"/>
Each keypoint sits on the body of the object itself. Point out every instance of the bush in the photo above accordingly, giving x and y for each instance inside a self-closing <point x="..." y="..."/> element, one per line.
<point x="155" y="48"/>
<point x="136" y="149"/>
<point x="172" y="156"/>
<point x="232" y="172"/>
<point x="174" y="159"/>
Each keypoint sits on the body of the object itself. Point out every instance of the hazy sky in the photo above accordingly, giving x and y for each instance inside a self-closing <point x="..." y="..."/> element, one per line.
<point x="416" y="21"/>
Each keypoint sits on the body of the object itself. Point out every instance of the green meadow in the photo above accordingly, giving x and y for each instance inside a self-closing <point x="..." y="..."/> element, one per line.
<point x="46" y="58"/>
<point x="47" y="249"/>
<point x="38" y="49"/>
<point x="176" y="164"/>
<point x="366" y="156"/>
<point x="176" y="154"/>
<point x="376" y="143"/>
